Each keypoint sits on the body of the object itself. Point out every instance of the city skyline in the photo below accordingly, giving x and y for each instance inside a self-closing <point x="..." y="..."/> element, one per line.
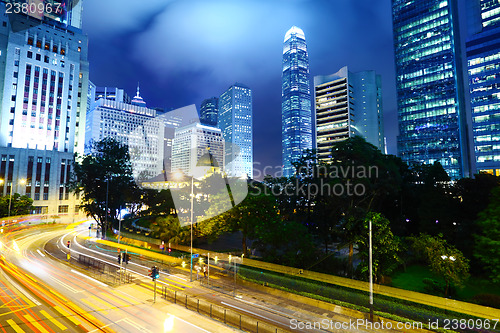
<point x="225" y="59"/>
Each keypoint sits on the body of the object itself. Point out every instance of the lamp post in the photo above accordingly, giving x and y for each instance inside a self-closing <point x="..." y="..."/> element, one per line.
<point x="192" y="195"/>
<point x="452" y="259"/>
<point x="106" y="217"/>
<point x="22" y="181"/>
<point x="179" y="176"/>
<point x="370" y="259"/>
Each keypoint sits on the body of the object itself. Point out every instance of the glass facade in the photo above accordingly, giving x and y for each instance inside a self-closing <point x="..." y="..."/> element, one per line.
<point x="235" y="121"/>
<point x="296" y="112"/>
<point x="483" y="58"/>
<point x="209" y="111"/>
<point x="430" y="87"/>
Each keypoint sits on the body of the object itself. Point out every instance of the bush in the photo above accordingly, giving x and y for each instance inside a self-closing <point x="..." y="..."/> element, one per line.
<point x="487" y="300"/>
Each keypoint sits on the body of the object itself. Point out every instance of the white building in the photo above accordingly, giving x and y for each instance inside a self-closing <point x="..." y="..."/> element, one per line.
<point x="134" y="126"/>
<point x="192" y="142"/>
<point x="348" y="104"/>
<point x="43" y="100"/>
<point x="235" y="122"/>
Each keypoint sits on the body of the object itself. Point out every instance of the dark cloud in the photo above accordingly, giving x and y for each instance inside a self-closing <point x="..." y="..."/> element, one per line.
<point x="185" y="51"/>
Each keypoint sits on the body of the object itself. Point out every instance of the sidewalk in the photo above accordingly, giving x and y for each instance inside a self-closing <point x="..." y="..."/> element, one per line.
<point x="173" y="309"/>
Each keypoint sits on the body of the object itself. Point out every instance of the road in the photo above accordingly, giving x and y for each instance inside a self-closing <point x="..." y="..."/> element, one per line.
<point x="40" y="294"/>
<point x="262" y="308"/>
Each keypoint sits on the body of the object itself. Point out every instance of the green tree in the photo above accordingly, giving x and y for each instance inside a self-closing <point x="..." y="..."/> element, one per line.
<point x="443" y="259"/>
<point x="386" y="248"/>
<point x="20" y="205"/>
<point x="157" y="202"/>
<point x="487" y="247"/>
<point x="104" y="179"/>
<point x="169" y="230"/>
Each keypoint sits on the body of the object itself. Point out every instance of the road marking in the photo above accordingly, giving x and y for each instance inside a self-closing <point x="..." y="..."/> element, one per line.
<point x="189" y="323"/>
<point x="253" y="313"/>
<point x="20" y="289"/>
<point x="14" y="326"/>
<point x="67" y="315"/>
<point x="65" y="285"/>
<point x="115" y="299"/>
<point x="35" y="323"/>
<point x="37" y="250"/>
<point x="88" y="277"/>
<point x="53" y="321"/>
<point x="106" y="304"/>
<point x="135" y="325"/>
<point x="93" y="307"/>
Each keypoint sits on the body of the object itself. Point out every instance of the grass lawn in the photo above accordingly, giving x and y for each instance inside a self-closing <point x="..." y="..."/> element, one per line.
<point x="411" y="279"/>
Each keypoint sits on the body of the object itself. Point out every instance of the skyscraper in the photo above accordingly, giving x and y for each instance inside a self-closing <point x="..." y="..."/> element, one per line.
<point x="44" y="86"/>
<point x="209" y="111"/>
<point x="430" y="84"/>
<point x="296" y="114"/>
<point x="348" y="104"/>
<point x="235" y="122"/>
<point x="483" y="55"/>
<point x="193" y="141"/>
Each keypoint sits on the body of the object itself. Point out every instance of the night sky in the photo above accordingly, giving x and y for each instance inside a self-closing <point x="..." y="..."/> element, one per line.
<point x="183" y="51"/>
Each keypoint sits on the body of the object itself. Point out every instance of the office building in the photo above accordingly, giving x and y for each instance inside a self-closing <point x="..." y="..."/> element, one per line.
<point x="296" y="112"/>
<point x="43" y="102"/>
<point x="430" y="85"/>
<point x="209" y="111"/>
<point x="483" y="57"/>
<point x="235" y="122"/>
<point x="348" y="104"/>
<point x="112" y="94"/>
<point x="193" y="141"/>
<point x="134" y="126"/>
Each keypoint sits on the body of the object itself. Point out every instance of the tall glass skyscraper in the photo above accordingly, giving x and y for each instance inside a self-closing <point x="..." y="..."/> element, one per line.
<point x="235" y="122"/>
<point x="209" y="111"/>
<point x="296" y="125"/>
<point x="483" y="55"/>
<point x="430" y="84"/>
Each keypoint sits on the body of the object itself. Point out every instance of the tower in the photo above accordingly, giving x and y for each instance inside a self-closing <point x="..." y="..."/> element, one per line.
<point x="483" y="58"/>
<point x="235" y="122"/>
<point x="209" y="111"/>
<point x="430" y="85"/>
<point x="296" y="114"/>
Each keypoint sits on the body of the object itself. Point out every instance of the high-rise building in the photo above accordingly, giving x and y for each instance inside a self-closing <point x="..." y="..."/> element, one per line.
<point x="193" y="141"/>
<point x="113" y="94"/>
<point x="235" y="121"/>
<point x="43" y="101"/>
<point x="134" y="126"/>
<point x="483" y="55"/>
<point x="348" y="104"/>
<point x="296" y="113"/>
<point x="430" y="85"/>
<point x="209" y="111"/>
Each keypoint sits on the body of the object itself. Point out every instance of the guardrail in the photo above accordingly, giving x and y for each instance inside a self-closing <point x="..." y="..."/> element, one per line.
<point x="219" y="313"/>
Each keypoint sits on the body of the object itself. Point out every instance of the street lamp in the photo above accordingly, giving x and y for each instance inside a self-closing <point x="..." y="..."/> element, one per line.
<point x="371" y="269"/>
<point x="178" y="176"/>
<point x="22" y="181"/>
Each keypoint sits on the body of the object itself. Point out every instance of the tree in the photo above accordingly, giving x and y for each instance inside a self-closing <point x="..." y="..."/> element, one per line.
<point x="104" y="178"/>
<point x="169" y="230"/>
<point x="487" y="247"/>
<point x="158" y="202"/>
<point x="19" y="205"/>
<point x="386" y="247"/>
<point x="443" y="259"/>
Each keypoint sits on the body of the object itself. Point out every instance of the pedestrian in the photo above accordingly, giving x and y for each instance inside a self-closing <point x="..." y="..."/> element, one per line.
<point x="205" y="271"/>
<point x="198" y="269"/>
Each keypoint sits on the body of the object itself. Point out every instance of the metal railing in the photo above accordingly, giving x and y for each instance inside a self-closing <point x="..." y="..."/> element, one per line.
<point x="220" y="313"/>
<point x="104" y="271"/>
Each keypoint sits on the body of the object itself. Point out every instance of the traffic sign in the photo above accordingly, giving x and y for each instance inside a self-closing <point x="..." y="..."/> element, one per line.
<point x="196" y="255"/>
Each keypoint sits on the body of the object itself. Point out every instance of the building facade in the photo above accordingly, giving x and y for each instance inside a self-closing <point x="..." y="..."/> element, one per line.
<point x="113" y="94"/>
<point x="134" y="126"/>
<point x="44" y="83"/>
<point x="209" y="111"/>
<point x="483" y="58"/>
<point x="430" y="85"/>
<point x="193" y="141"/>
<point x="296" y="112"/>
<point x="348" y="104"/>
<point x="235" y="121"/>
